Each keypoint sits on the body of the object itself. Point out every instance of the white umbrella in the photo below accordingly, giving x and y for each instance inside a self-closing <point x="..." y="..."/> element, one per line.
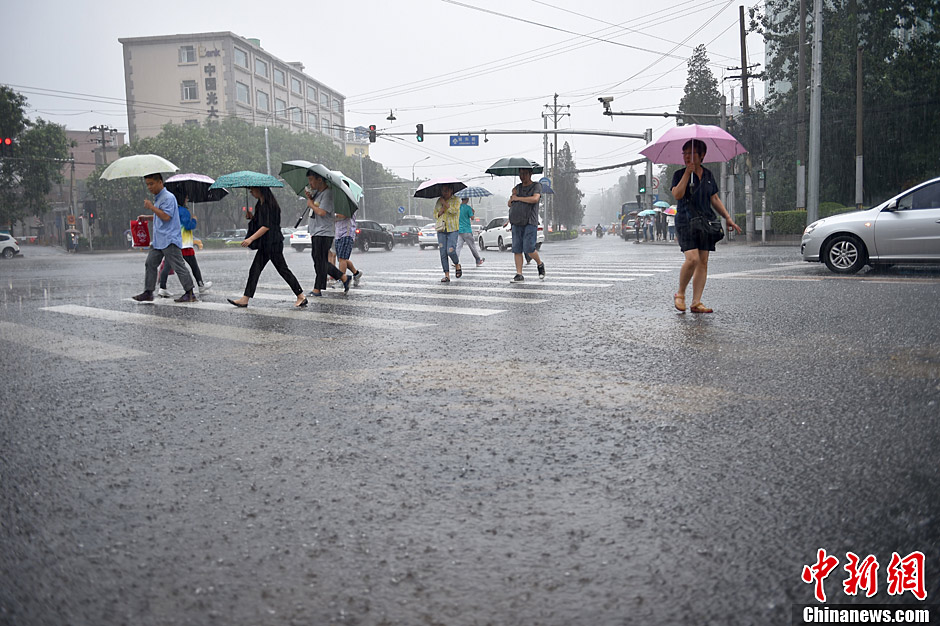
<point x="137" y="166"/>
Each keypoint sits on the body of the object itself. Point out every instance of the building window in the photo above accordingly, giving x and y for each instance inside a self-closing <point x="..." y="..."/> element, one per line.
<point x="262" y="101"/>
<point x="187" y="54"/>
<point x="337" y="108"/>
<point x="280" y="77"/>
<point x="337" y="131"/>
<point x="191" y="123"/>
<point x="261" y="68"/>
<point x="325" y="101"/>
<point x="190" y="90"/>
<point x="297" y="116"/>
<point x="312" y="123"/>
<point x="325" y="126"/>
<point x="296" y="86"/>
<point x="241" y="58"/>
<point x="242" y="94"/>
<point x="311" y="93"/>
<point x="280" y="107"/>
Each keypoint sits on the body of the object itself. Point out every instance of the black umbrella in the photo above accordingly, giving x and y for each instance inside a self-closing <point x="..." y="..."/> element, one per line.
<point x="196" y="187"/>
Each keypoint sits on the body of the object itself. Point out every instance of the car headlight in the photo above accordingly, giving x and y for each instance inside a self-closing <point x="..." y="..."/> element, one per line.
<point x="810" y="228"/>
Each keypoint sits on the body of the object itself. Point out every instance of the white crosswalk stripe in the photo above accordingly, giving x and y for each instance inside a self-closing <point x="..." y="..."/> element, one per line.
<point x="454" y="286"/>
<point x="59" y="344"/>
<point x="339" y="300"/>
<point x="303" y="315"/>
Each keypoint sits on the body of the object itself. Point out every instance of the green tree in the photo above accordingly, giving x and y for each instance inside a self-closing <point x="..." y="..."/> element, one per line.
<point x="901" y="91"/>
<point x="701" y="91"/>
<point x="30" y="166"/>
<point x="568" y="209"/>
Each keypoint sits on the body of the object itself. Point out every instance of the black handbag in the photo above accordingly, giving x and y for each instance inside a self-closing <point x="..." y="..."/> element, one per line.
<point x="704" y="221"/>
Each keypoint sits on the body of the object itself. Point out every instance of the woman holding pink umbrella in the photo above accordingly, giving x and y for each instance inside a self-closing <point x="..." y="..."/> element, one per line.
<point x="696" y="193"/>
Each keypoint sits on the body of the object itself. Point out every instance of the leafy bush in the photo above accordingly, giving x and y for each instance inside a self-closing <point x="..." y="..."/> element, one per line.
<point x="561" y="235"/>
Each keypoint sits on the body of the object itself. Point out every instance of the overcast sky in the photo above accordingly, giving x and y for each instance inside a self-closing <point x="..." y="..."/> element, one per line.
<point x="454" y="66"/>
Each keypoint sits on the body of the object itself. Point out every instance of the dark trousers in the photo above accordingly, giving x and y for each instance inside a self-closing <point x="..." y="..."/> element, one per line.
<point x="320" y="251"/>
<point x="276" y="256"/>
<point x="191" y="260"/>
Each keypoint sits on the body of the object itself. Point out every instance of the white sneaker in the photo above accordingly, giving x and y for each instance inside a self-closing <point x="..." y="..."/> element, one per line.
<point x="163" y="293"/>
<point x="356" y="278"/>
<point x="206" y="286"/>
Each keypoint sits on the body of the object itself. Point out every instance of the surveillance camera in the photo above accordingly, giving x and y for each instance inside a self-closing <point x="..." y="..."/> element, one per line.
<point x="605" y="100"/>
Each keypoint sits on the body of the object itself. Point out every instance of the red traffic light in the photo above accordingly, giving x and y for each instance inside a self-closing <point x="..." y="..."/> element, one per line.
<point x="372" y="133"/>
<point x="8" y="141"/>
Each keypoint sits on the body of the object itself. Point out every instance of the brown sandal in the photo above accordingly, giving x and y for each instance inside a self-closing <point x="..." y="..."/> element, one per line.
<point x="679" y="300"/>
<point x="698" y="307"/>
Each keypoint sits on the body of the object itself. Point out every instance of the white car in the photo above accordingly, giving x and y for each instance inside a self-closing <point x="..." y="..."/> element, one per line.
<point x="427" y="238"/>
<point x="300" y="239"/>
<point x="498" y="233"/>
<point x="904" y="229"/>
<point x="8" y="246"/>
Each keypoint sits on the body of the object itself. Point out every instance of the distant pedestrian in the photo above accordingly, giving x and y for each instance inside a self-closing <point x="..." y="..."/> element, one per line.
<point x="345" y="229"/>
<point x="524" y="218"/>
<point x="465" y="231"/>
<point x="447" y="223"/>
<point x="322" y="228"/>
<point x="167" y="240"/>
<point x="188" y="223"/>
<point x="696" y="192"/>
<point x="265" y="237"/>
<point x="671" y="226"/>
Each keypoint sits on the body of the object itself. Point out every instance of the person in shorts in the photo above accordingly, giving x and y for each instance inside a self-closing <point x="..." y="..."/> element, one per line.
<point x="345" y="228"/>
<point x="524" y="219"/>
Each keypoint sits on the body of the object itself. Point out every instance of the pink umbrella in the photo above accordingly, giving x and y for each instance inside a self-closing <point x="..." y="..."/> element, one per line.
<point x="719" y="144"/>
<point x="432" y="188"/>
<point x="670" y="211"/>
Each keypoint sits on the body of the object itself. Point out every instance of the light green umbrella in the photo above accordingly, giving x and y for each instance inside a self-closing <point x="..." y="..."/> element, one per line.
<point x="662" y="204"/>
<point x="346" y="192"/>
<point x="137" y="166"/>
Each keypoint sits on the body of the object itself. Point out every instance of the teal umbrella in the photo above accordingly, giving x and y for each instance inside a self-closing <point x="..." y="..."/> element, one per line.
<point x="510" y="166"/>
<point x="245" y="178"/>
<point x="661" y="204"/>
<point x="646" y="213"/>
<point x="346" y="192"/>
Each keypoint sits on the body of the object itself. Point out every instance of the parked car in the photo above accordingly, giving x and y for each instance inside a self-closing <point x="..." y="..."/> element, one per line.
<point x="427" y="236"/>
<point x="904" y="229"/>
<point x="388" y="227"/>
<point x="300" y="239"/>
<point x="8" y="246"/>
<point x="498" y="233"/>
<point x="406" y="235"/>
<point x="237" y="238"/>
<point x="414" y="220"/>
<point x="222" y="235"/>
<point x="370" y="234"/>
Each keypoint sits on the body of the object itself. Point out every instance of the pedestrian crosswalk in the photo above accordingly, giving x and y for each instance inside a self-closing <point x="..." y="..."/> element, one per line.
<point x="386" y="301"/>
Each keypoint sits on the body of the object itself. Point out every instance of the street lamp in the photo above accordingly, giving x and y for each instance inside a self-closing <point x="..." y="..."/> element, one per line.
<point x="412" y="191"/>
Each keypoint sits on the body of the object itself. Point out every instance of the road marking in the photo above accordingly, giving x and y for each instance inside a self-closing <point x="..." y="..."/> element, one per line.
<point x="778" y="267"/>
<point x="488" y="280"/>
<point x="591" y="277"/>
<point x="455" y="286"/>
<point x="447" y="296"/>
<point x="175" y="324"/>
<point x="868" y="279"/>
<point x="71" y="347"/>
<point x="343" y="301"/>
<point x="304" y="315"/>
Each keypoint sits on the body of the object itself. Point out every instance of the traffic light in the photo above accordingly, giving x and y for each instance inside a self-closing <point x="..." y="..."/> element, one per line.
<point x="91" y="207"/>
<point x="420" y="133"/>
<point x="761" y="180"/>
<point x="641" y="183"/>
<point x="372" y="133"/>
<point x="5" y="144"/>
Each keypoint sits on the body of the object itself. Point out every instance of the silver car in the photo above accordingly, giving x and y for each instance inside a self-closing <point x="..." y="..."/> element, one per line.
<point x="904" y="229"/>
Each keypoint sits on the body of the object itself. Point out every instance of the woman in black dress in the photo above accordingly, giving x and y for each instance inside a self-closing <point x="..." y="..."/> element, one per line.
<point x="265" y="236"/>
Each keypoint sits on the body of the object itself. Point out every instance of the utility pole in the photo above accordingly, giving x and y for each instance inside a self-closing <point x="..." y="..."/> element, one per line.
<point x="748" y="199"/>
<point x="801" y="114"/>
<point x="812" y="187"/>
<point x="859" y="151"/>
<point x="727" y="199"/>
<point x="107" y="134"/>
<point x="555" y="115"/>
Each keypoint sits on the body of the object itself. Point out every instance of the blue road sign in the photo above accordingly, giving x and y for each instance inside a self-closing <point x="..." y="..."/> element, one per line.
<point x="401" y="209"/>
<point x="465" y="140"/>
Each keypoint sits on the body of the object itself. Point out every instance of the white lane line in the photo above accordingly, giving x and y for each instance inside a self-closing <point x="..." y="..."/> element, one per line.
<point x="530" y="281"/>
<point x="303" y="315"/>
<point x="344" y="301"/>
<point x="68" y="346"/>
<point x="586" y="276"/>
<point x="446" y="296"/>
<point x="455" y="286"/>
<point x="777" y="268"/>
<point x="175" y="324"/>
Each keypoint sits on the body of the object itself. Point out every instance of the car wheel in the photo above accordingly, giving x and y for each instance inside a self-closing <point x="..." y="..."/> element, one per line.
<point x="482" y="247"/>
<point x="364" y="246"/>
<point x="499" y="244"/>
<point x="8" y="253"/>
<point x="845" y="254"/>
<point x="423" y="247"/>
<point x="298" y="248"/>
<point x="389" y="244"/>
